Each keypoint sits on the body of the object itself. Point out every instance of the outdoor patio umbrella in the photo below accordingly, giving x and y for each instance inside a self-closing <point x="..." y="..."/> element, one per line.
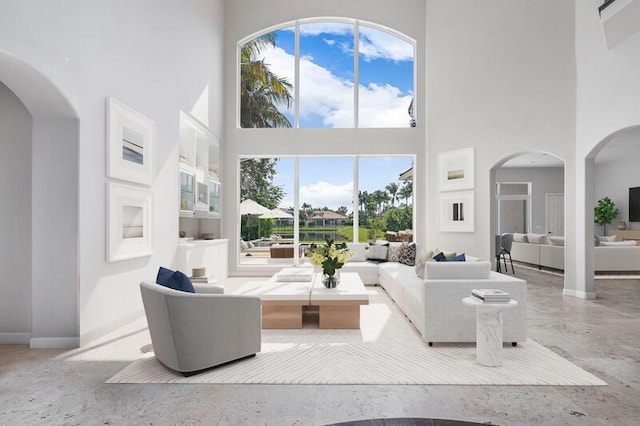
<point x="251" y="208"/>
<point x="280" y="214"/>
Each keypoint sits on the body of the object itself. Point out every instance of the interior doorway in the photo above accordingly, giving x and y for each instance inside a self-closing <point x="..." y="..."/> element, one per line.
<point x="554" y="214"/>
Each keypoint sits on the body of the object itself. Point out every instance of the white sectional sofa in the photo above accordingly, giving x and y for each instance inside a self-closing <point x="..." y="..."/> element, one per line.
<point x="548" y="252"/>
<point x="434" y="304"/>
<point x="539" y="250"/>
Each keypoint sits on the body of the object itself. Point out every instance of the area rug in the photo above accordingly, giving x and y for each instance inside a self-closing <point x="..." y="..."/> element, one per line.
<point x="386" y="351"/>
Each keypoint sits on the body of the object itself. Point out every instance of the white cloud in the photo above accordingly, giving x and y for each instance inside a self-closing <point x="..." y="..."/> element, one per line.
<point x="316" y="28"/>
<point x="329" y="41"/>
<point x="324" y="94"/>
<point x="324" y="194"/>
<point x="376" y="44"/>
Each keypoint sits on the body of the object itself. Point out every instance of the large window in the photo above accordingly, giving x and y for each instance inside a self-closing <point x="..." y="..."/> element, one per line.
<point x="307" y="199"/>
<point x="327" y="74"/>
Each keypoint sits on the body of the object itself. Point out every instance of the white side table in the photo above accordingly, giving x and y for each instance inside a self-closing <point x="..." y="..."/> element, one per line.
<point x="489" y="330"/>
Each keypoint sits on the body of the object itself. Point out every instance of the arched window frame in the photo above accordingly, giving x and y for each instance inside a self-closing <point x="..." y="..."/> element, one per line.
<point x="296" y="23"/>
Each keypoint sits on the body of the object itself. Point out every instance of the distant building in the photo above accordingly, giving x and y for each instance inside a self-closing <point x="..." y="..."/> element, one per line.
<point x="328" y="218"/>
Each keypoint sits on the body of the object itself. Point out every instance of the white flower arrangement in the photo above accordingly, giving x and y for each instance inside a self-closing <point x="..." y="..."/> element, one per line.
<point x="330" y="256"/>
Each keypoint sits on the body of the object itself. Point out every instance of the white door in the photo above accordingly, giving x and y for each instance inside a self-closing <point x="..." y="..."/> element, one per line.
<point x="554" y="216"/>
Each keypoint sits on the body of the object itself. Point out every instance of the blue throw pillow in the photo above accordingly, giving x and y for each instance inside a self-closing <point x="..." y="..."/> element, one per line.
<point x="175" y="280"/>
<point x="458" y="258"/>
<point x="440" y="257"/>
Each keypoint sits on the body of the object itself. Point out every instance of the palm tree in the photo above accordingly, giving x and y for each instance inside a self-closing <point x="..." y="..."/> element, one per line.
<point x="261" y="90"/>
<point x="379" y="197"/>
<point x="392" y="189"/>
<point x="363" y="199"/>
<point x="406" y="192"/>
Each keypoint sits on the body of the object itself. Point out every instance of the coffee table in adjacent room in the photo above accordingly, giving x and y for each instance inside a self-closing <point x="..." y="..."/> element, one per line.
<point x="283" y="303"/>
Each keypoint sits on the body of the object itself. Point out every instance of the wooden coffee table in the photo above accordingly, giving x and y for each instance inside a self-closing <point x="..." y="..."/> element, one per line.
<point x="340" y="306"/>
<point x="283" y="303"/>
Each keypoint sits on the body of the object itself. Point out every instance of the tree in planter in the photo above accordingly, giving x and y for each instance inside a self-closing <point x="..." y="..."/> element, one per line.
<point x="605" y="212"/>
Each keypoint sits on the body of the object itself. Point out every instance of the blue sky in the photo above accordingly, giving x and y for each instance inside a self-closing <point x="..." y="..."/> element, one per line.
<point x="328" y="181"/>
<point x="327" y="75"/>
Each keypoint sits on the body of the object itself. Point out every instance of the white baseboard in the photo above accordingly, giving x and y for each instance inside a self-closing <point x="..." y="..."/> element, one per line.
<point x="591" y="295"/>
<point x="14" y="338"/>
<point x="54" y="342"/>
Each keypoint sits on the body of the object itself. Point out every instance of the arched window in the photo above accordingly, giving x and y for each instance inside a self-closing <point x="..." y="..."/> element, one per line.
<point x="327" y="74"/>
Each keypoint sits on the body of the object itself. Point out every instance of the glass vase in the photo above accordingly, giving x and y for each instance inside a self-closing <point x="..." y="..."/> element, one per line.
<point x="331" y="281"/>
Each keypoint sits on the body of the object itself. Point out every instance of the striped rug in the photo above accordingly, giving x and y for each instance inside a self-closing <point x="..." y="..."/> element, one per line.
<point x="387" y="350"/>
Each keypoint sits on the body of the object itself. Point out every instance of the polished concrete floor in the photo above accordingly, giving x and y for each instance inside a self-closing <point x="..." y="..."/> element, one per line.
<point x="55" y="387"/>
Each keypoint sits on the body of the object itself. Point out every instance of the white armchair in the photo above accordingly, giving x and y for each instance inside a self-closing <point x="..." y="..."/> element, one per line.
<point x="195" y="331"/>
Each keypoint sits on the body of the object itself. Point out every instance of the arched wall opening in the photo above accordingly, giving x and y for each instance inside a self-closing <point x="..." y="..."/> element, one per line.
<point x="53" y="221"/>
<point x="542" y="207"/>
<point x="609" y="172"/>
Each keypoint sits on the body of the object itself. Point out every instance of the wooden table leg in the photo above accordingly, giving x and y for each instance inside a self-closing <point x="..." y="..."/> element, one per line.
<point x="281" y="316"/>
<point x="340" y="316"/>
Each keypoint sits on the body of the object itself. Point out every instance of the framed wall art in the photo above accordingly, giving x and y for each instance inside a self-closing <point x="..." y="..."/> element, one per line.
<point x="457" y="211"/>
<point x="456" y="170"/>
<point x="130" y="222"/>
<point x="131" y="139"/>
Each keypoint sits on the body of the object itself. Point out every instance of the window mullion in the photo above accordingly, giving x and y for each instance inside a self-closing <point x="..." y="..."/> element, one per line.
<point x="356" y="77"/>
<point x="296" y="78"/>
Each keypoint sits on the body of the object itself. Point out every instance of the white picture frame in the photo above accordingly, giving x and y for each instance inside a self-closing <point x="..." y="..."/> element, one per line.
<point x="131" y="140"/>
<point x="457" y="211"/>
<point x="456" y="170"/>
<point x="130" y="222"/>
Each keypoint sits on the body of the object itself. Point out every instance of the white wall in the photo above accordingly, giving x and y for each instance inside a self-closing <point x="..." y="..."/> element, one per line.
<point x="543" y="180"/>
<point x="406" y="17"/>
<point x="608" y="99"/>
<point x="15" y="219"/>
<point x="501" y="77"/>
<point x="157" y="57"/>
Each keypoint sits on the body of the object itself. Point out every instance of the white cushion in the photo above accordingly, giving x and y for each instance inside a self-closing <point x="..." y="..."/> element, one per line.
<point x="539" y="239"/>
<point x="457" y="270"/>
<point x="520" y="238"/>
<point x="618" y="243"/>
<point x="557" y="241"/>
<point x="359" y="250"/>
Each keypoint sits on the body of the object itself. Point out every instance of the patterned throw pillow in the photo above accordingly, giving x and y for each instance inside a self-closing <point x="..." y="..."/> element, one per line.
<point x="421" y="260"/>
<point x="408" y="254"/>
<point x="394" y="252"/>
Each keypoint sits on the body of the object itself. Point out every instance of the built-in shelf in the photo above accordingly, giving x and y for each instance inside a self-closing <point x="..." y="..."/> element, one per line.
<point x="200" y="173"/>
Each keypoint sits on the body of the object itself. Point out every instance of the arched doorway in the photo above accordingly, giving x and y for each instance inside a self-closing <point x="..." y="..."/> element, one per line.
<point x="528" y="198"/>
<point x="53" y="221"/>
<point x="609" y="172"/>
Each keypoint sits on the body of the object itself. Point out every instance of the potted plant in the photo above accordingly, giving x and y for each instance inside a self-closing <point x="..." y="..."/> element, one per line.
<point x="605" y="212"/>
<point x="331" y="257"/>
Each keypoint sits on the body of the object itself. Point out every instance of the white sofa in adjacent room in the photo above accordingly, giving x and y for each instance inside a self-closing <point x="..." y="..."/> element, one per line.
<point x="540" y="250"/>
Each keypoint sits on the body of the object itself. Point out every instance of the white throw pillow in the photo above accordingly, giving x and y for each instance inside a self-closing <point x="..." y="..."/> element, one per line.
<point x="557" y="241"/>
<point x="618" y="243"/>
<point x="359" y="250"/>
<point x="377" y="252"/>
<point x="520" y="238"/>
<point x="539" y="239"/>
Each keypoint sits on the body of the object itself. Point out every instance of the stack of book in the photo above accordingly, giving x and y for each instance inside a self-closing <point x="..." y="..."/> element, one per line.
<point x="295" y="274"/>
<point x="490" y="295"/>
<point x="203" y="280"/>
